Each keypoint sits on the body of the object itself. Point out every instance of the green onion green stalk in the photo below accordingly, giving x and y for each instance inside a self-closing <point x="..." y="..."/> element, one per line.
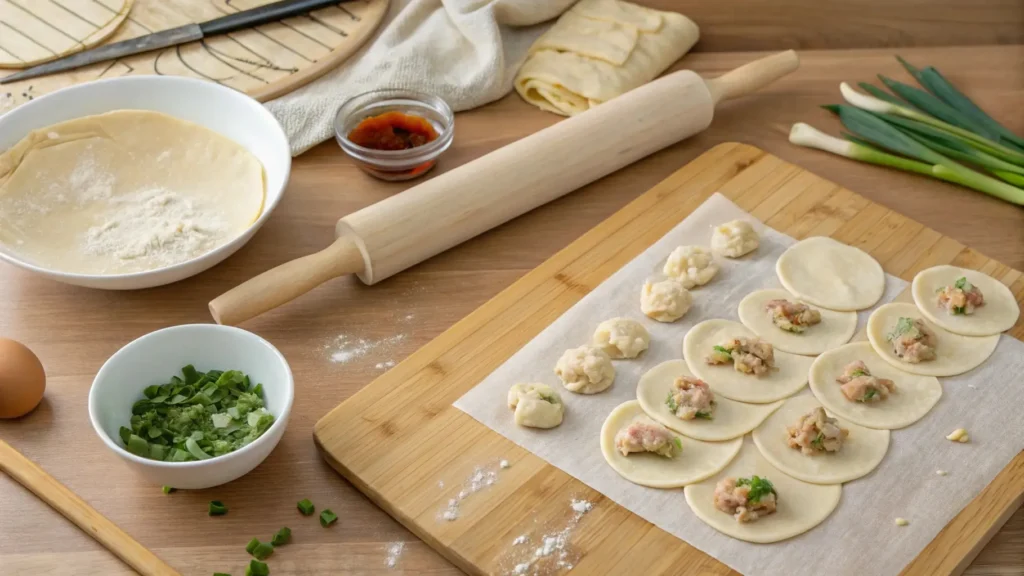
<point x="939" y="133"/>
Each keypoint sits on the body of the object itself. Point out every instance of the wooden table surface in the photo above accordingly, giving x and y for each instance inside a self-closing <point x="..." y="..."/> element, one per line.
<point x="74" y="330"/>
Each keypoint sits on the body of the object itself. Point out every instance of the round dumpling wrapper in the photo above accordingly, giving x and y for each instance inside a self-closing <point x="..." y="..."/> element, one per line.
<point x="697" y="460"/>
<point x="861" y="452"/>
<point x="914" y="397"/>
<point x="830" y="274"/>
<point x="998" y="314"/>
<point x="801" y="505"/>
<point x="954" y="354"/>
<point x="724" y="380"/>
<point x="730" y="419"/>
<point x="835" y="329"/>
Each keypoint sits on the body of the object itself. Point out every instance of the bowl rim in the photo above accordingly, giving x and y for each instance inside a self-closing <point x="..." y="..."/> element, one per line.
<point x="280" y="420"/>
<point x="268" y="207"/>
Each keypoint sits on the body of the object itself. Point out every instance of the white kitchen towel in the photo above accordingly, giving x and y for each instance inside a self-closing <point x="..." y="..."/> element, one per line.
<point x="465" y="51"/>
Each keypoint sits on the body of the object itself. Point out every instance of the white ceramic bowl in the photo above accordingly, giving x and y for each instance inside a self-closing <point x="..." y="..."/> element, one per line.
<point x="216" y="107"/>
<point x="153" y="359"/>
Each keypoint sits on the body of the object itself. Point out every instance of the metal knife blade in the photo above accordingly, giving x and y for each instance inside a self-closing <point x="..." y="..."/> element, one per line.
<point x="156" y="41"/>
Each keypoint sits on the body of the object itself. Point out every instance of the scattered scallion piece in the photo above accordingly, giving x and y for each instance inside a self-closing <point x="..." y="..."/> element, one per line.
<point x="168" y="489"/>
<point x="282" y="537"/>
<point x="261" y="551"/>
<point x="306" y="507"/>
<point x="327" y="518"/>
<point x="252" y="545"/>
<point x="257" y="568"/>
<point x="221" y="574"/>
<point x="217" y="508"/>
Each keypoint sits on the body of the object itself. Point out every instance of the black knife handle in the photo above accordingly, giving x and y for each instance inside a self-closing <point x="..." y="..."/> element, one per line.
<point x="262" y="15"/>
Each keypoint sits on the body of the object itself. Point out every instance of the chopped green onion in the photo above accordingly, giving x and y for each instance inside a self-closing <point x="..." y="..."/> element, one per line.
<point x="677" y="442"/>
<point x="282" y="537"/>
<point x="306" y="507"/>
<point x="704" y="415"/>
<point x="261" y="551"/>
<point x="871" y="393"/>
<point x="217" y="508"/>
<point x="257" y="568"/>
<point x="903" y="325"/>
<point x="759" y="487"/>
<point x="937" y="108"/>
<point x="671" y="402"/>
<point x="251" y="546"/>
<point x="168" y="489"/>
<point x="819" y="441"/>
<point x="327" y="518"/>
<point x="221" y="574"/>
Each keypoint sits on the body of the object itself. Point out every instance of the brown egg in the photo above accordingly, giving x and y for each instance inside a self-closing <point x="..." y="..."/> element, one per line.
<point x="22" y="379"/>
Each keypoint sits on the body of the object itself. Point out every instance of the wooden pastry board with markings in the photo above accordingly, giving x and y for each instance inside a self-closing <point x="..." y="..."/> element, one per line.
<point x="399" y="435"/>
<point x="264" y="62"/>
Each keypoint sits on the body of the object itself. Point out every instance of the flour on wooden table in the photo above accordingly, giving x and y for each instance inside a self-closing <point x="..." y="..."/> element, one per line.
<point x="346" y="348"/>
<point x="395" y="550"/>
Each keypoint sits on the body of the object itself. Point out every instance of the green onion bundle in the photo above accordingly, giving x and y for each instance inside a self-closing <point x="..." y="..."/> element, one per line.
<point x="938" y="132"/>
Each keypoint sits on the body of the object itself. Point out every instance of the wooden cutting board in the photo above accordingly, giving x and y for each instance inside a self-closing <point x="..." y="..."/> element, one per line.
<point x="394" y="439"/>
<point x="264" y="62"/>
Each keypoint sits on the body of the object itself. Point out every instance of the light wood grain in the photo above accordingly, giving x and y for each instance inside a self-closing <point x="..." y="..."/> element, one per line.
<point x="374" y="435"/>
<point x="37" y="32"/>
<point x="81" y="514"/>
<point x="75" y="330"/>
<point x="265" y="61"/>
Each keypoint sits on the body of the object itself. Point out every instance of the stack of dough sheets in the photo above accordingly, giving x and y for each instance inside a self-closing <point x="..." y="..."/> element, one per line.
<point x="598" y="50"/>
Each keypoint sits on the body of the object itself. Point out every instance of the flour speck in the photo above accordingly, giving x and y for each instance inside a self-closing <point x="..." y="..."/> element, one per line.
<point x="480" y="479"/>
<point x="553" y="553"/>
<point x="504" y="464"/>
<point x="395" y="550"/>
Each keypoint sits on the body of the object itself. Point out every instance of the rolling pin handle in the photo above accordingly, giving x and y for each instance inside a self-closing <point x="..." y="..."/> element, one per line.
<point x="752" y="76"/>
<point x="287" y="282"/>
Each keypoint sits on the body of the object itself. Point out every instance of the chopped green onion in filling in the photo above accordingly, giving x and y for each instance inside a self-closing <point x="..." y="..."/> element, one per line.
<point x="759" y="488"/>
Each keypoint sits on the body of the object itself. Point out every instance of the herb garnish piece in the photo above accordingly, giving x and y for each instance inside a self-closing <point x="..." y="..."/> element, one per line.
<point x="671" y="402"/>
<point x="305" y="506"/>
<point x="959" y="310"/>
<point x="963" y="284"/>
<point x="704" y="415"/>
<point x="723" y="350"/>
<point x="282" y="537"/>
<point x="221" y="574"/>
<point x="759" y="487"/>
<point x="327" y="518"/>
<point x="257" y="568"/>
<point x="196" y="416"/>
<point x="903" y="325"/>
<point x="858" y="372"/>
<point x="678" y="443"/>
<point x="261" y="551"/>
<point x="217" y="508"/>
<point x="871" y="393"/>
<point x="168" y="489"/>
<point x="819" y="441"/>
<point x="252" y="545"/>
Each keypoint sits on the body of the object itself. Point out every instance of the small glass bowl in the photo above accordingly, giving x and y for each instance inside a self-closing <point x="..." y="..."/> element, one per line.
<point x="395" y="165"/>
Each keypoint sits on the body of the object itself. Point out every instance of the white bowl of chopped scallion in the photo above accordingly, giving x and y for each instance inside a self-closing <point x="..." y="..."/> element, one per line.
<point x="193" y="406"/>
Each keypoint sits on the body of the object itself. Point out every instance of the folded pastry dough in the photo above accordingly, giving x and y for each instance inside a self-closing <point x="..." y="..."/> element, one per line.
<point x="598" y="50"/>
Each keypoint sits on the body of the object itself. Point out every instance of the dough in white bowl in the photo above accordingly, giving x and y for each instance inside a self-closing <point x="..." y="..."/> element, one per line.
<point x="621" y="338"/>
<point x="830" y="274"/>
<point x="861" y="451"/>
<point x="126" y="191"/>
<point x="789" y="377"/>
<point x="691" y="265"/>
<point x="729" y="419"/>
<point x="835" y="329"/>
<point x="665" y="301"/>
<point x="535" y="405"/>
<point x="734" y="239"/>
<point x="585" y="370"/>
<point x="801" y="505"/>
<point x="914" y="397"/>
<point x="954" y="354"/>
<point x="998" y="314"/>
<point x="696" y="460"/>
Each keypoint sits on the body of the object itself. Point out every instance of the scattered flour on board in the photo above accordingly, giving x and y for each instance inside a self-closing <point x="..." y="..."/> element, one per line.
<point x="552" y="554"/>
<point x="395" y="550"/>
<point x="481" y="478"/>
<point x="504" y="464"/>
<point x="345" y="348"/>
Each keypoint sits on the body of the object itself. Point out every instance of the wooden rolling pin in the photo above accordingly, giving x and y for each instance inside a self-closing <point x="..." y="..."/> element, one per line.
<point x="403" y="230"/>
<point x="84" y="516"/>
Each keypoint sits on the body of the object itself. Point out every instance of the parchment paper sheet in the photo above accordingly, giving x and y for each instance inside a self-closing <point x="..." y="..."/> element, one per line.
<point x="860" y="537"/>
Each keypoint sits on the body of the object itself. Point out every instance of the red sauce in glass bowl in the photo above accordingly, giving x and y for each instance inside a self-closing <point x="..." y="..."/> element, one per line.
<point x="392" y="131"/>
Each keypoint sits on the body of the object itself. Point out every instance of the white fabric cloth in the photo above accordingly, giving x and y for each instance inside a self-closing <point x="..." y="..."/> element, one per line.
<point x="465" y="51"/>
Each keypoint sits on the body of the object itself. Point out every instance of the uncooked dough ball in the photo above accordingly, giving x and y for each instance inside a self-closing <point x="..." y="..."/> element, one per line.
<point x="734" y="239"/>
<point x="622" y="337"/>
<point x="536" y="405"/>
<point x="665" y="301"/>
<point x="691" y="265"/>
<point x="585" y="370"/>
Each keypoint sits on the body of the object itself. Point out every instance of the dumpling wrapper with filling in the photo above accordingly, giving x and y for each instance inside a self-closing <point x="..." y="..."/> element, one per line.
<point x="914" y="397"/>
<point x="730" y="419"/>
<point x="726" y="381"/>
<point x="801" y="505"/>
<point x="830" y="274"/>
<point x="835" y="328"/>
<point x="585" y="58"/>
<point x="954" y="354"/>
<point x="861" y="452"/>
<point x="697" y="460"/>
<point x="998" y="314"/>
